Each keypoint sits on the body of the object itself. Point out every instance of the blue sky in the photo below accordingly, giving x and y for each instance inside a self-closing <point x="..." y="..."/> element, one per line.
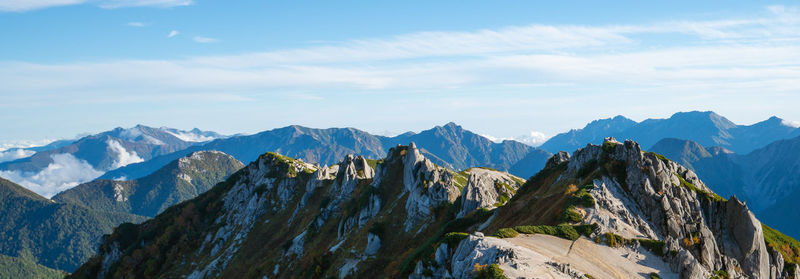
<point x="499" y="68"/>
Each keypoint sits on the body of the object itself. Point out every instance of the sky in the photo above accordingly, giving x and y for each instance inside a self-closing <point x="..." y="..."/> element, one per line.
<point x="502" y="69"/>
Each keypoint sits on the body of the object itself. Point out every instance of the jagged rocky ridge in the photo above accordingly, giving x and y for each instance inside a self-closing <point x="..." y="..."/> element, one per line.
<point x="636" y="197"/>
<point x="399" y="217"/>
<point x="659" y="199"/>
<point x="283" y="217"/>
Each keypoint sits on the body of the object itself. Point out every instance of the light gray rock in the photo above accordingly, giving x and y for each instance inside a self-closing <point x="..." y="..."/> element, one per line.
<point x="442" y="254"/>
<point x="749" y="239"/>
<point x="319" y="176"/>
<point x="484" y="188"/>
<point x="650" y="201"/>
<point x="373" y="244"/>
<point x="427" y="186"/>
<point x="476" y="250"/>
<point x="558" y="158"/>
<point x="351" y="171"/>
<point x="776" y="270"/>
<point x="372" y="209"/>
<point x="298" y="242"/>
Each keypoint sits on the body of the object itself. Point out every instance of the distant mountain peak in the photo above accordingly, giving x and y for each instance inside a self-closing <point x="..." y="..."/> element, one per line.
<point x="706" y="113"/>
<point x="718" y="120"/>
<point x="452" y="126"/>
<point x="615" y="123"/>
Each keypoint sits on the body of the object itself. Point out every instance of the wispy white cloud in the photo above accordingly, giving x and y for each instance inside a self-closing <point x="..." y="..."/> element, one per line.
<point x="13" y="154"/>
<point x="173" y="33"/>
<point x="727" y="55"/>
<point x="204" y="40"/>
<point x="534" y="138"/>
<point x="63" y="173"/>
<point x="791" y="123"/>
<point x="124" y="157"/>
<point x="112" y="4"/>
<point x="24" y="144"/>
<point x="137" y="24"/>
<point x="188" y="136"/>
<point x="29" y="5"/>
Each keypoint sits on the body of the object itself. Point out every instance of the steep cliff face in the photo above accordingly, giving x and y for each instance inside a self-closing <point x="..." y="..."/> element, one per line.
<point x="427" y="186"/>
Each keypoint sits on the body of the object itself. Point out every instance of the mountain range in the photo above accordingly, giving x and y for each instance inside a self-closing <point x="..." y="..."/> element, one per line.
<point x="448" y="145"/>
<point x="706" y="128"/>
<point x="50" y="171"/>
<point x="14" y="153"/>
<point x="755" y="163"/>
<point x="178" y="181"/>
<point x="606" y="211"/>
<point x="63" y="232"/>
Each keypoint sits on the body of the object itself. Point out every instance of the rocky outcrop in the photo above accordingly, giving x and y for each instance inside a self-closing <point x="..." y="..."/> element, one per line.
<point x="558" y="158"/>
<point x="486" y="189"/>
<point x="351" y="170"/>
<point x="403" y="220"/>
<point x="427" y="186"/>
<point x="373" y="244"/>
<point x="316" y="181"/>
<point x="643" y="196"/>
<point x="748" y="246"/>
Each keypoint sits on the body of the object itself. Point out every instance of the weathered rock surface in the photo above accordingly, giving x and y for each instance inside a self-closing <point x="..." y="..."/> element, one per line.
<point x="373" y="244"/>
<point x="303" y="221"/>
<point x="427" y="186"/>
<point x="558" y="158"/>
<point x="542" y="256"/>
<point x="658" y="199"/>
<point x="487" y="189"/>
